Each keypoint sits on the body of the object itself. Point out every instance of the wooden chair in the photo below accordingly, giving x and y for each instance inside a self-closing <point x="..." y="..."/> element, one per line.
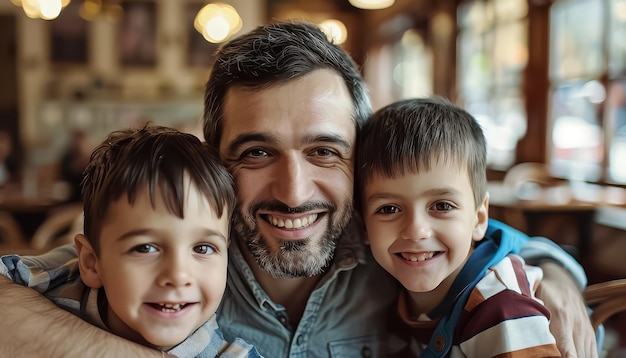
<point x="59" y="227"/>
<point x="10" y="232"/>
<point x="606" y="299"/>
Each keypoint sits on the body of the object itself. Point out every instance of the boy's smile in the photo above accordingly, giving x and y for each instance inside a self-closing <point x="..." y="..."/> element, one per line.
<point x="164" y="276"/>
<point x="421" y="225"/>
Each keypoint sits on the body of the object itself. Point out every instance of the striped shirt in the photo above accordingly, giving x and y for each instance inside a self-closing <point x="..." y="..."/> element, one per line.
<point x="501" y="318"/>
<point x="63" y="286"/>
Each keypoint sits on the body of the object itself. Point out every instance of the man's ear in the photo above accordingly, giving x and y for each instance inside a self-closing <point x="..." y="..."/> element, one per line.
<point x="482" y="214"/>
<point x="87" y="262"/>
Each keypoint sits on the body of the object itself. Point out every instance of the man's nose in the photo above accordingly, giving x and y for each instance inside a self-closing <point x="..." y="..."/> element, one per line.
<point x="294" y="183"/>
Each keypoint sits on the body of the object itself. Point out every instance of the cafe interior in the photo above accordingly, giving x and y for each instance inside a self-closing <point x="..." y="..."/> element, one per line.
<point x="546" y="79"/>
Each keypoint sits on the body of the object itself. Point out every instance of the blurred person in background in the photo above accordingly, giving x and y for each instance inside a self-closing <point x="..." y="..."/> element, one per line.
<point x="9" y="166"/>
<point x="74" y="161"/>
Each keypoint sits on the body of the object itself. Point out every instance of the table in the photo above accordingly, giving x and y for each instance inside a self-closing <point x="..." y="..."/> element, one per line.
<point x="540" y="205"/>
<point x="29" y="207"/>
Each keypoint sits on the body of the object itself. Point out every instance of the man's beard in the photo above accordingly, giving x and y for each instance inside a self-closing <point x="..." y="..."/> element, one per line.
<point x="295" y="258"/>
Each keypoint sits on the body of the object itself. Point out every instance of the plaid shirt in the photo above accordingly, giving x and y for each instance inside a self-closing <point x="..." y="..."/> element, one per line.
<point x="62" y="285"/>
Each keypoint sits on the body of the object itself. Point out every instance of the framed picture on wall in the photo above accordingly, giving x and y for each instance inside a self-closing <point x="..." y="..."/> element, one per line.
<point x="68" y="37"/>
<point x="137" y="36"/>
<point x="200" y="52"/>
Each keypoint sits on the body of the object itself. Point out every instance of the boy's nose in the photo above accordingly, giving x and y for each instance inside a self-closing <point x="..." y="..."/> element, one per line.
<point x="416" y="227"/>
<point x="176" y="271"/>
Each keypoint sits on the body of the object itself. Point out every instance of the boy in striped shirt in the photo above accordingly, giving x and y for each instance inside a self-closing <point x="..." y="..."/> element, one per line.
<point x="153" y="257"/>
<point x="421" y="181"/>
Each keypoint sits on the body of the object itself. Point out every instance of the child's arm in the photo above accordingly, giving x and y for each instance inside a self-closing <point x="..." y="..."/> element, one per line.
<point x="502" y="315"/>
<point x="560" y="290"/>
<point x="38" y="328"/>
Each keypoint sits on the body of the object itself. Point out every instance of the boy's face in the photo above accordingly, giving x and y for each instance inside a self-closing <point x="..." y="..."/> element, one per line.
<point x="421" y="226"/>
<point x="163" y="276"/>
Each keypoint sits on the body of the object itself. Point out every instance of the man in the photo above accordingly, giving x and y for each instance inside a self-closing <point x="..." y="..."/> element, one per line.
<point x="284" y="106"/>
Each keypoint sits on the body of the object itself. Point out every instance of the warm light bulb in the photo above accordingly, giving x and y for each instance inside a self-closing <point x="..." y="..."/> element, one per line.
<point x="50" y="9"/>
<point x="335" y="30"/>
<point x="217" y="22"/>
<point x="216" y="29"/>
<point x="371" y="4"/>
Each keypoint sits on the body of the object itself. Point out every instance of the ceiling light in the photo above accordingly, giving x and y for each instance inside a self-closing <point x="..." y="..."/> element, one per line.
<point x="371" y="4"/>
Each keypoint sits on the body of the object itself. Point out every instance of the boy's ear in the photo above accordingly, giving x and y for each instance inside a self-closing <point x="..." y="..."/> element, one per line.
<point x="87" y="262"/>
<point x="482" y="214"/>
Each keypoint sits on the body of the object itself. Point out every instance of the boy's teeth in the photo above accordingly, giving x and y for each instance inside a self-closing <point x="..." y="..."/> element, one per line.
<point x="292" y="224"/>
<point x="422" y="256"/>
<point x="171" y="307"/>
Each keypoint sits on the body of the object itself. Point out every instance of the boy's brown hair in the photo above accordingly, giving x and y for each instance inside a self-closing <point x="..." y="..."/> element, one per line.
<point x="157" y="157"/>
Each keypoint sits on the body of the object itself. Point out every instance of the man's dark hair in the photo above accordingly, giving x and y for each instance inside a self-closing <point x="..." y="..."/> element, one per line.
<point x="272" y="55"/>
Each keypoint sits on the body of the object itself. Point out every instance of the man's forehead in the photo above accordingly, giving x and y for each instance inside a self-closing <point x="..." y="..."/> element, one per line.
<point x="301" y="112"/>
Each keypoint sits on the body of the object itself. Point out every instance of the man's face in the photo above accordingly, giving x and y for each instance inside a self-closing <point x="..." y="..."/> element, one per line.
<point x="290" y="149"/>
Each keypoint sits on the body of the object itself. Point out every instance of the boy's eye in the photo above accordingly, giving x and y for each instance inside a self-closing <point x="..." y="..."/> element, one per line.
<point x="204" y="249"/>
<point x="388" y="209"/>
<point x="443" y="206"/>
<point x="145" y="249"/>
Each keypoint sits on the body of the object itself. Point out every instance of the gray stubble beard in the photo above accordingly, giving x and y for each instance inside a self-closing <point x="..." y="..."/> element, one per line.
<point x="302" y="258"/>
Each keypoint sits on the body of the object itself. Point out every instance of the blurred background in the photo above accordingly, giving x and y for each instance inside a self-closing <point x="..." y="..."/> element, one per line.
<point x="545" y="78"/>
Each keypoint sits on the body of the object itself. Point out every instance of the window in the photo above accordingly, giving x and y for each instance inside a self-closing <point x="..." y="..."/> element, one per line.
<point x="492" y="53"/>
<point x="400" y="68"/>
<point x="587" y="115"/>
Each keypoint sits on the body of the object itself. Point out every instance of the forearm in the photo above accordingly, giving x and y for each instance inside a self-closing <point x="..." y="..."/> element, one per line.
<point x="33" y="326"/>
<point x="569" y="322"/>
<point x="542" y="252"/>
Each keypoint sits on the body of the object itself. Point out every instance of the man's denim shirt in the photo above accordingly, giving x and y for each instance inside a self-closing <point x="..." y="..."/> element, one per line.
<point x="345" y="316"/>
<point x="348" y="313"/>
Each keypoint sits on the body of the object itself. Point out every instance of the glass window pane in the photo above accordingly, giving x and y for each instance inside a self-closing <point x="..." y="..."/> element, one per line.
<point x="414" y="68"/>
<point x="474" y="16"/>
<point x="510" y="10"/>
<point x="577" y="139"/>
<point x="474" y="66"/>
<point x="616" y="116"/>
<point x="617" y="38"/>
<point x="510" y="53"/>
<point x="503" y="120"/>
<point x="576" y="35"/>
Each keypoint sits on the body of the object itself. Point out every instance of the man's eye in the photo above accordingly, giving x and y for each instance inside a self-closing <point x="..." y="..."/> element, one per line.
<point x="255" y="152"/>
<point x="145" y="249"/>
<point x="443" y="206"/>
<point x="324" y="152"/>
<point x="204" y="249"/>
<point x="388" y="209"/>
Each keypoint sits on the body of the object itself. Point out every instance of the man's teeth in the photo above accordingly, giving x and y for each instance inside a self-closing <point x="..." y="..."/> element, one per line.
<point x="422" y="256"/>
<point x="292" y="224"/>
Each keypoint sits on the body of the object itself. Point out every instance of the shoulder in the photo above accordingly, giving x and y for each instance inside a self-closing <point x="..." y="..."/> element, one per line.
<point x="239" y="348"/>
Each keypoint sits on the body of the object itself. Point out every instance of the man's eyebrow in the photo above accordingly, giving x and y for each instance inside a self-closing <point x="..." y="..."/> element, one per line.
<point x="241" y="139"/>
<point x="328" y="138"/>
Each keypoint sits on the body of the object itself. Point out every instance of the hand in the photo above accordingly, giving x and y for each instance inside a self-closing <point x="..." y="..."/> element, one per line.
<point x="569" y="321"/>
